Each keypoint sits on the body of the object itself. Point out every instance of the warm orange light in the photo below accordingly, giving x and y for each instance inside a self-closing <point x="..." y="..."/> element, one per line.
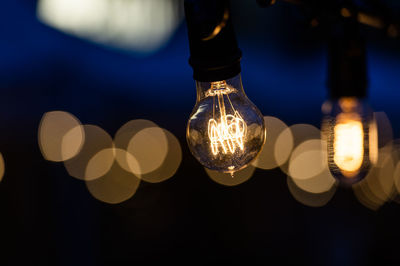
<point x="228" y="131"/>
<point x="348" y="144"/>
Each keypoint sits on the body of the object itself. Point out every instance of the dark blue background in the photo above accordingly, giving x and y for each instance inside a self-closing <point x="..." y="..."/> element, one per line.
<point x="48" y="217"/>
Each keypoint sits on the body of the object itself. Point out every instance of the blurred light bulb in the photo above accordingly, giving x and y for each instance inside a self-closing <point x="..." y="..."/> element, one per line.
<point x="226" y="131"/>
<point x="349" y="130"/>
<point x="348" y="144"/>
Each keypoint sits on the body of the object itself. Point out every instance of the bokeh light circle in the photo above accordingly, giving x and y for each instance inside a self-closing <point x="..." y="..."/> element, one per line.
<point x="125" y="134"/>
<point x="100" y="164"/>
<point x="170" y="164"/>
<point x="308" y="167"/>
<point x="378" y="186"/>
<point x="117" y="185"/>
<point x="308" y="159"/>
<point x="60" y="135"/>
<point x="283" y="146"/>
<point x="365" y="196"/>
<point x="273" y="153"/>
<point x="2" y="167"/>
<point x="396" y="176"/>
<point x="310" y="199"/>
<point x="298" y="133"/>
<point x="150" y="148"/>
<point x="92" y="162"/>
<point x="380" y="178"/>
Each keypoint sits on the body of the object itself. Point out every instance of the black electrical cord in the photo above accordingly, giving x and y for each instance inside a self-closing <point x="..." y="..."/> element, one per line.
<point x="214" y="53"/>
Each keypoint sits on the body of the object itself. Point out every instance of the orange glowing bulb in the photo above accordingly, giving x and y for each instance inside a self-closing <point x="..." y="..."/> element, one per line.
<point x="226" y="131"/>
<point x="350" y="132"/>
<point x="348" y="145"/>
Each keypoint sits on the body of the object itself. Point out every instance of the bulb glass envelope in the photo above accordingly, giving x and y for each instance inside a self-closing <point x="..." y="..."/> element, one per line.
<point x="225" y="131"/>
<point x="350" y="132"/>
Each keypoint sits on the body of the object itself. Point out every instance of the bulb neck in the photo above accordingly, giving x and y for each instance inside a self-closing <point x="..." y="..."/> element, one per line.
<point x="209" y="88"/>
<point x="214" y="53"/>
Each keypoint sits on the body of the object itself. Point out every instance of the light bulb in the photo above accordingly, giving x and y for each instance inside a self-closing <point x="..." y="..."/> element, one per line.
<point x="350" y="132"/>
<point x="225" y="131"/>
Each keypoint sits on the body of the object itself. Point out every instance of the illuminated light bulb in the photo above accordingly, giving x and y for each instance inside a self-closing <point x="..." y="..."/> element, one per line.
<point x="228" y="132"/>
<point x="349" y="130"/>
<point x="348" y="144"/>
<point x="225" y="131"/>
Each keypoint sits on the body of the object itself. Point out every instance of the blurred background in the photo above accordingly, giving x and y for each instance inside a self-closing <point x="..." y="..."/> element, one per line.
<point x="83" y="82"/>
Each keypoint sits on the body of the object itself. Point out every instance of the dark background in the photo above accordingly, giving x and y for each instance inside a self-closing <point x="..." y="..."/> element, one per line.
<point x="48" y="217"/>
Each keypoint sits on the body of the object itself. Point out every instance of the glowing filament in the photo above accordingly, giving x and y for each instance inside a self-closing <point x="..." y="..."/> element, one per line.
<point x="348" y="146"/>
<point x="227" y="133"/>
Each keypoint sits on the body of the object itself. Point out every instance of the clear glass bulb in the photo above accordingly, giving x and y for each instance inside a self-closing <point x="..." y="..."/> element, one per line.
<point x="225" y="131"/>
<point x="350" y="132"/>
